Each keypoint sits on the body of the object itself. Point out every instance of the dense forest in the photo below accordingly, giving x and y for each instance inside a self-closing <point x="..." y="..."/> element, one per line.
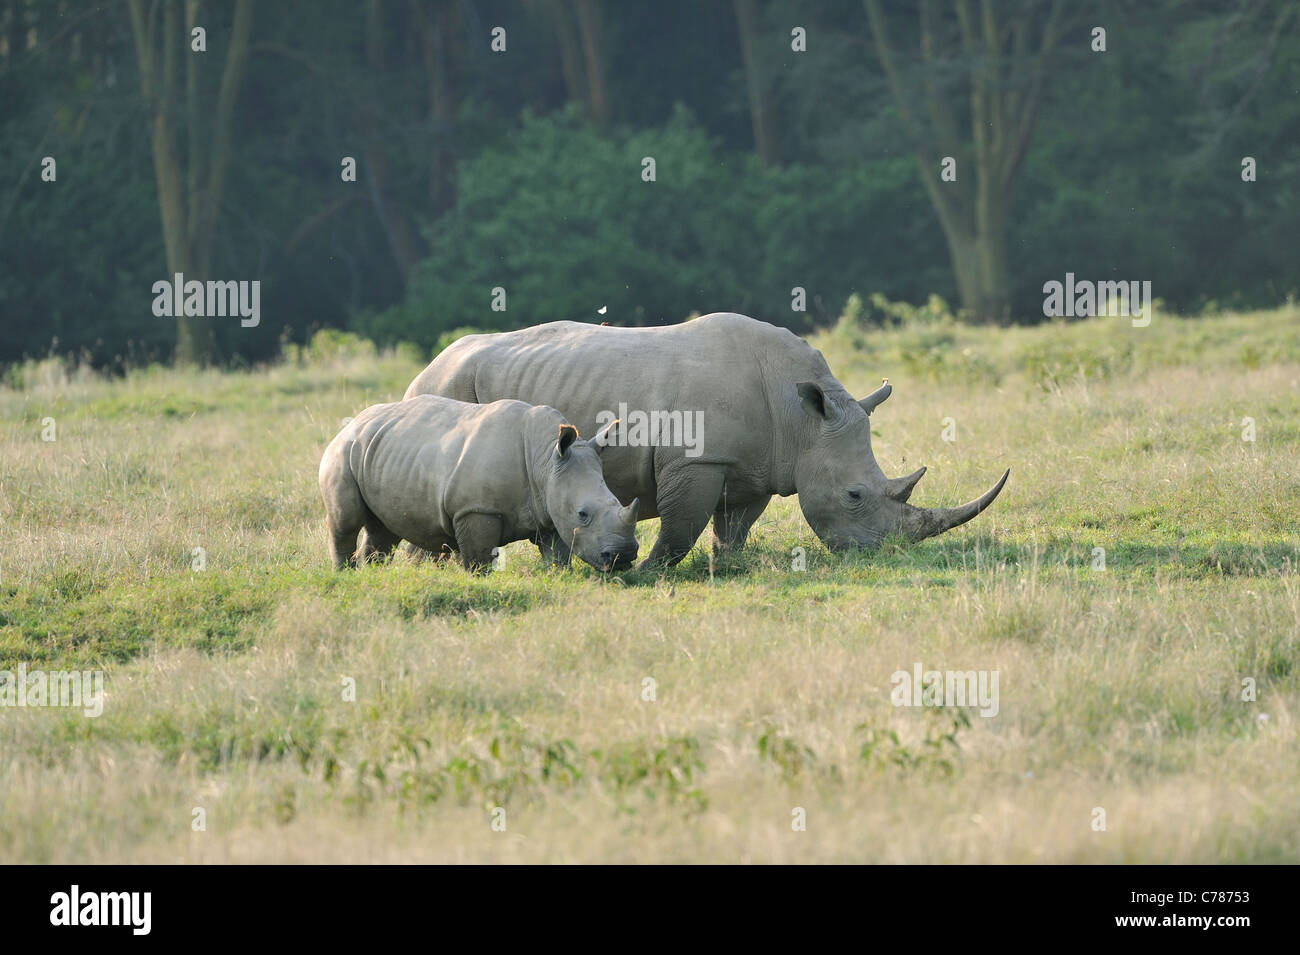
<point x="404" y="168"/>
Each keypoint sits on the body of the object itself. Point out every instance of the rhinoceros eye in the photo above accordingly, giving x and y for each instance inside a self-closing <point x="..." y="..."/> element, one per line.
<point x="583" y="516"/>
<point x="855" y="495"/>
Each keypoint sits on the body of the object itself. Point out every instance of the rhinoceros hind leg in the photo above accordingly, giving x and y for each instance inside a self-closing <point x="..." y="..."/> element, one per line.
<point x="731" y="523"/>
<point x="377" y="542"/>
<point x="687" y="496"/>
<point x="342" y="540"/>
<point x="476" y="537"/>
<point x="554" y="549"/>
<point x="345" y="514"/>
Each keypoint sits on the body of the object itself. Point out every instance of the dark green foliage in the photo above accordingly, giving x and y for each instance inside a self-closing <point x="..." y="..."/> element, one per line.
<point x="561" y="219"/>
<point x="1134" y="172"/>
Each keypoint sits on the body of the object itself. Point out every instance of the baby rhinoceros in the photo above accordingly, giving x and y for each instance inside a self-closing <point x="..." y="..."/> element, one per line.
<point x="447" y="475"/>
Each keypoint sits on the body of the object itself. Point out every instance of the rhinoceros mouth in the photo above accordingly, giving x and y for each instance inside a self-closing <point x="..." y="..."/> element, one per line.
<point x="846" y="545"/>
<point x="612" y="560"/>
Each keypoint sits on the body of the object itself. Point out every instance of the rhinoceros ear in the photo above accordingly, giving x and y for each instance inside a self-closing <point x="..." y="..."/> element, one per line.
<point x="568" y="435"/>
<point x="815" y="402"/>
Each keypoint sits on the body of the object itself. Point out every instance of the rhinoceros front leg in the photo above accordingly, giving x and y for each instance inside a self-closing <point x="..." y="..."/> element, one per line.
<point x="555" y="550"/>
<point x="477" y="535"/>
<point x="731" y="523"/>
<point x="686" y="496"/>
<point x="419" y="554"/>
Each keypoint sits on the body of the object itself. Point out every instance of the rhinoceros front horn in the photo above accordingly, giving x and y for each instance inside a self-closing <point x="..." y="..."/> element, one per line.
<point x="918" y="523"/>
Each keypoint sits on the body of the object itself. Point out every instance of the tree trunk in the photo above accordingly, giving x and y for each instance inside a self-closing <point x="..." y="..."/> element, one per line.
<point x="439" y="49"/>
<point x="570" y="59"/>
<point x="592" y="30"/>
<point x="760" y="106"/>
<point x="963" y="251"/>
<point x="189" y="187"/>
<point x="993" y="297"/>
<point x="979" y="264"/>
<point x="402" y="240"/>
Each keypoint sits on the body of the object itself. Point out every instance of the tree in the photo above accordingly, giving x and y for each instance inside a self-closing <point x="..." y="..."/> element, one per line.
<point x="190" y="183"/>
<point x="440" y="50"/>
<point x="1000" y="65"/>
<point x="579" y="33"/>
<point x="400" y="231"/>
<point x="761" y="112"/>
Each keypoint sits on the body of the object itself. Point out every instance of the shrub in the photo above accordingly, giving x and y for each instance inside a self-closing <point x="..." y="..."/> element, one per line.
<point x="560" y="219"/>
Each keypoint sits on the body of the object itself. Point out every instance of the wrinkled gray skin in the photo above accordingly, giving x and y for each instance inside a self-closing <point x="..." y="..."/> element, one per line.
<point x="775" y="422"/>
<point x="446" y="475"/>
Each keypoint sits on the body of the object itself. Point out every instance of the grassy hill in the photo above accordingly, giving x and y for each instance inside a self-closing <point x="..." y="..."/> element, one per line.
<point x="172" y="535"/>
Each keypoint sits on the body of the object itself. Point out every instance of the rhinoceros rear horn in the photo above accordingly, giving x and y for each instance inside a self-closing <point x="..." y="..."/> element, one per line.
<point x="870" y="402"/>
<point x="601" y="438"/>
<point x="628" y="514"/>
<point x="900" y="489"/>
<point x="921" y="522"/>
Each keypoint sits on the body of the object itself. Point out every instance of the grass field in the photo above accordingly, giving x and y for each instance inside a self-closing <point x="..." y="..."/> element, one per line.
<point x="1120" y="688"/>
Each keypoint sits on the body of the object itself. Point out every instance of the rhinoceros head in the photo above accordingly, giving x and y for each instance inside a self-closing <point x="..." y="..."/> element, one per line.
<point x="586" y="514"/>
<point x="844" y="496"/>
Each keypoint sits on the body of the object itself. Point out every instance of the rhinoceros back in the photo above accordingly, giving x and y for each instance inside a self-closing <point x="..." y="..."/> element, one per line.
<point x="714" y="363"/>
<point x="725" y="365"/>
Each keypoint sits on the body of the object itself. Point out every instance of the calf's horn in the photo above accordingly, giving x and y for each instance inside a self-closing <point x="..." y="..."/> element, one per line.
<point x="628" y="514"/>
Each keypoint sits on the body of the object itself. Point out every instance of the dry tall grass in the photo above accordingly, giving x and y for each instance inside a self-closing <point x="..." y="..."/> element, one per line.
<point x="1120" y="689"/>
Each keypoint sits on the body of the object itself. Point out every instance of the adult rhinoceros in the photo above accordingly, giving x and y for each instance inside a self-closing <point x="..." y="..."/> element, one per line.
<point x="775" y="421"/>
